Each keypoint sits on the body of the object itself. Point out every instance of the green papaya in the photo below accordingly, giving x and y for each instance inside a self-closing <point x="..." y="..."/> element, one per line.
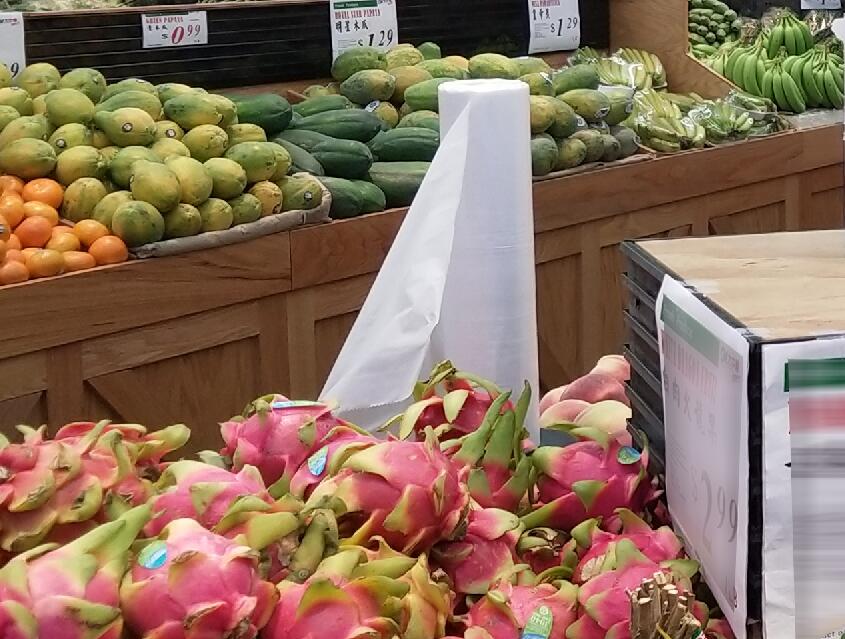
<point x="367" y="86"/>
<point x="301" y="160"/>
<point x="143" y="100"/>
<point x="39" y="79"/>
<point x="70" y="135"/>
<point x="246" y="208"/>
<point x="184" y="220"/>
<point x="90" y="81"/>
<point x="612" y="148"/>
<point x="528" y="64"/>
<point x="403" y="57"/>
<point x="543" y="113"/>
<point x="356" y="59"/>
<point x="344" y="158"/>
<point x="430" y="50"/>
<point x="313" y="106"/>
<point x="155" y="183"/>
<point x="269" y="111"/>
<point x="228" y="177"/>
<point x="544" y="155"/>
<point x="138" y="223"/>
<point x="407" y="144"/>
<point x="167" y="147"/>
<point x="170" y="90"/>
<point x="28" y="126"/>
<point x="27" y="158"/>
<point x="283" y="161"/>
<point x="405" y="77"/>
<point x="127" y="127"/>
<point x="216" y="214"/>
<point x="120" y="166"/>
<point x="593" y="142"/>
<point x="372" y="197"/>
<point x="64" y="106"/>
<point x="269" y="195"/>
<point x="493" y="65"/>
<point x="621" y="104"/>
<point x="206" y="141"/>
<point x="7" y="116"/>
<point x="195" y="183"/>
<point x="443" y="69"/>
<point x="424" y="96"/>
<point x="346" y="198"/>
<point x="539" y="84"/>
<point x="304" y="139"/>
<point x="386" y="112"/>
<point x="628" y="140"/>
<point x="256" y="158"/>
<point x="353" y="124"/>
<point x="105" y="208"/>
<point x="399" y="181"/>
<point x="566" y="120"/>
<point x="129" y="84"/>
<point x="227" y="108"/>
<point x="590" y="104"/>
<point x="571" y="153"/>
<point x="168" y="129"/>
<point x="82" y="197"/>
<point x="300" y="192"/>
<point x="582" y="76"/>
<point x="423" y="119"/>
<point x="79" y="162"/>
<point x="17" y="98"/>
<point x="245" y="133"/>
<point x="191" y="110"/>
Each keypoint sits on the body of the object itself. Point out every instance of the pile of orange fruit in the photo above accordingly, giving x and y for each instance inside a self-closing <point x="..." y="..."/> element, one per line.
<point x="35" y="243"/>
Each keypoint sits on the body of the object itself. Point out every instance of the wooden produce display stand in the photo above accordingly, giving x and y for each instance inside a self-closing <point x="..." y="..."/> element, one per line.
<point x="783" y="294"/>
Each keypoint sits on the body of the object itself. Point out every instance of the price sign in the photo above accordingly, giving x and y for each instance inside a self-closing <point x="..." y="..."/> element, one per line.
<point x="821" y="4"/>
<point x="12" y="52"/>
<point x="363" y="23"/>
<point x="705" y="374"/>
<point x="555" y="25"/>
<point x="174" y="30"/>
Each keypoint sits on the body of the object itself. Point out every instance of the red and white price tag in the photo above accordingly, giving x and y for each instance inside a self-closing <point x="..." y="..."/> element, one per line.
<point x="821" y="4"/>
<point x="12" y="52"/>
<point x="174" y="30"/>
<point x="363" y="23"/>
<point x="555" y="25"/>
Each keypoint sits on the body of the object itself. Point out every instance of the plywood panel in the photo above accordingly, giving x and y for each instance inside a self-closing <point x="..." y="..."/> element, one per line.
<point x="765" y="219"/>
<point x="610" y="323"/>
<point x="331" y="334"/>
<point x="206" y="386"/>
<point x="558" y="318"/>
<point x="826" y="210"/>
<point x="23" y="375"/>
<point x="27" y="409"/>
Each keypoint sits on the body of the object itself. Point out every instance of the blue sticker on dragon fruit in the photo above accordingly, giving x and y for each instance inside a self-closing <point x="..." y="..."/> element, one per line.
<point x="539" y="624"/>
<point x="317" y="461"/>
<point x="153" y="556"/>
<point x="628" y="455"/>
<point x="298" y="403"/>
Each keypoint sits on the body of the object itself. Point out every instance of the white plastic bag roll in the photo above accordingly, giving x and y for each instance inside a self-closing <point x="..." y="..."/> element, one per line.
<point x="459" y="280"/>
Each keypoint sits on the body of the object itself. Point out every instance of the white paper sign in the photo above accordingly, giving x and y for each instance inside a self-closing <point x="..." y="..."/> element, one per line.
<point x="821" y="4"/>
<point x="12" y="52"/>
<point x="555" y="25"/>
<point x="174" y="30"/>
<point x="363" y="23"/>
<point x="705" y="398"/>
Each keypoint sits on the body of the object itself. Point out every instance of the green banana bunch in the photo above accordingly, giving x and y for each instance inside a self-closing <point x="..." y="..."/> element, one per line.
<point x="722" y="121"/>
<point x="827" y="72"/>
<point x="621" y="73"/>
<point x="648" y="60"/>
<point x="585" y="55"/>
<point x="791" y="33"/>
<point x="754" y="103"/>
<point x="780" y="86"/>
<point x="670" y="135"/>
<point x="653" y="103"/>
<point x="746" y="66"/>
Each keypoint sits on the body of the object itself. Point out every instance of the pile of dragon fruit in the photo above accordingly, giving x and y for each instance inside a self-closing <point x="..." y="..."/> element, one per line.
<point x="303" y="526"/>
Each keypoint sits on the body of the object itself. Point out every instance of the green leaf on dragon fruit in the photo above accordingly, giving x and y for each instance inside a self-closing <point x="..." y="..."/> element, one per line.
<point x="539" y="624"/>
<point x="453" y="403"/>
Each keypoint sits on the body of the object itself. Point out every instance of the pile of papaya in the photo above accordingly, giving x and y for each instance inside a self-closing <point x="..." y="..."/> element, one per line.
<point x="149" y="162"/>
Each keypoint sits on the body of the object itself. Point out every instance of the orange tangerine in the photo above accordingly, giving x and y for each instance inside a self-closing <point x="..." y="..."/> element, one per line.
<point x="2" y="250"/>
<point x="13" y="242"/>
<point x="45" y="263"/>
<point x="78" y="261"/>
<point x="89" y="231"/>
<point x="109" y="249"/>
<point x="60" y="229"/>
<point x="11" y="208"/>
<point x="34" y="231"/>
<point x="13" y="272"/>
<point x="44" y="190"/>
<point x="64" y="242"/>
<point x="15" y="255"/>
<point x="10" y="184"/>
<point x="34" y="208"/>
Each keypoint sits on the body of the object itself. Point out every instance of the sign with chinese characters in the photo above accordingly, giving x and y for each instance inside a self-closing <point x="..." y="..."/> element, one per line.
<point x="12" y="52"/>
<point x="821" y="4"/>
<point x="363" y="23"/>
<point x="704" y="364"/>
<point x="174" y="30"/>
<point x="555" y="25"/>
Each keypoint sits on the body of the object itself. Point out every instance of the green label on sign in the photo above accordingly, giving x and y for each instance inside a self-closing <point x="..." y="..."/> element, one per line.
<point x="691" y="330"/>
<point x="539" y="624"/>
<point x="356" y="4"/>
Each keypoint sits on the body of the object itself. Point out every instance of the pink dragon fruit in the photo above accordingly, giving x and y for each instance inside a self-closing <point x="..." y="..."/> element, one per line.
<point x="507" y="611"/>
<point x="608" y="416"/>
<point x="190" y="582"/>
<point x="148" y="448"/>
<point x="600" y="547"/>
<point x="605" y="381"/>
<point x="56" y="490"/>
<point x="332" y="451"/>
<point x="718" y="629"/>
<point x="499" y="471"/>
<point x="407" y="492"/>
<point x="485" y="555"/>
<point x="604" y="603"/>
<point x="460" y="410"/>
<point x="70" y="592"/>
<point x="277" y="436"/>
<point x="591" y="478"/>
<point x="545" y="549"/>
